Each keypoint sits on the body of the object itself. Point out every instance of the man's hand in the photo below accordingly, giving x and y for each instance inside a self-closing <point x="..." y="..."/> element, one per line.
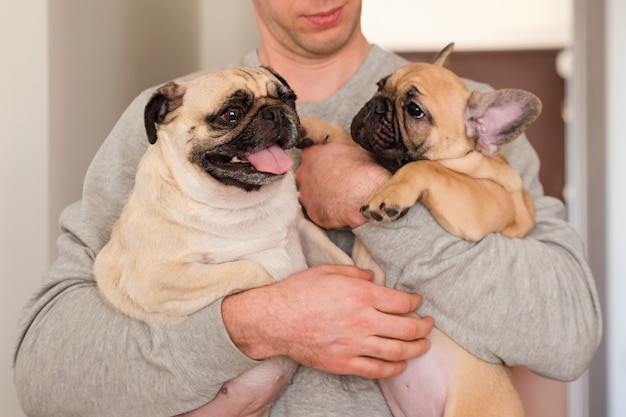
<point x="332" y="318"/>
<point x="335" y="181"/>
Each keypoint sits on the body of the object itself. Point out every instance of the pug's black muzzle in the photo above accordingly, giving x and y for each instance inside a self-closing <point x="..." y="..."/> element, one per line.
<point x="375" y="128"/>
<point x="271" y="125"/>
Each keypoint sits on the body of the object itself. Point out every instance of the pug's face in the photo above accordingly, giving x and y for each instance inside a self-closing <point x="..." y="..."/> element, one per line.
<point x="233" y="125"/>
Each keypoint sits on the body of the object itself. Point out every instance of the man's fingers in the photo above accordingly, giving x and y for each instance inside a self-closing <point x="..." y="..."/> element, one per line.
<point x="395" y="350"/>
<point x="375" y="368"/>
<point x="348" y="271"/>
<point x="396" y="302"/>
<point x="386" y="300"/>
<point x="406" y="328"/>
<point x="389" y="359"/>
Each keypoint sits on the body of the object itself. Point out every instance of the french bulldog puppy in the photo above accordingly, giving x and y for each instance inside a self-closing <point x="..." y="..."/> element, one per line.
<point x="214" y="211"/>
<point x="441" y="141"/>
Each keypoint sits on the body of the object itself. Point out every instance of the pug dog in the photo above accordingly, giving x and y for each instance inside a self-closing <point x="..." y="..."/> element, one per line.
<point x="439" y="140"/>
<point x="214" y="210"/>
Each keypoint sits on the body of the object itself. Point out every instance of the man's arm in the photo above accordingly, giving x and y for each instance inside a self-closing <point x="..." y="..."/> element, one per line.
<point x="344" y="324"/>
<point x="75" y="356"/>
<point x="529" y="302"/>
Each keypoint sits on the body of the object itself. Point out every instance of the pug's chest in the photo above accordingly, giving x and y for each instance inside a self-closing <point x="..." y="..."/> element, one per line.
<point x="280" y="262"/>
<point x="277" y="250"/>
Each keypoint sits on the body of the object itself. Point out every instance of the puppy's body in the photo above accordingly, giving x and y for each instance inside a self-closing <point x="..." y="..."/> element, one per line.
<point x="440" y="141"/>
<point x="214" y="210"/>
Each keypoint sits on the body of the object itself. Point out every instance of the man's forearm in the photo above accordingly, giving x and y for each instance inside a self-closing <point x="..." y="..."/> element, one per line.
<point x="78" y="357"/>
<point x="529" y="302"/>
<point x="78" y="361"/>
<point x="332" y="318"/>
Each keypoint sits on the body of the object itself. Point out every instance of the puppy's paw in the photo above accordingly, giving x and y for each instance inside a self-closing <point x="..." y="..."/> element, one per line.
<point x="310" y="136"/>
<point x="388" y="205"/>
<point x="304" y="142"/>
<point x="383" y="213"/>
<point x="319" y="132"/>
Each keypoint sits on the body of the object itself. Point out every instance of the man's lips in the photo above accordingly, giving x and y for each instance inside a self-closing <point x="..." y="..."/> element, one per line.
<point x="326" y="19"/>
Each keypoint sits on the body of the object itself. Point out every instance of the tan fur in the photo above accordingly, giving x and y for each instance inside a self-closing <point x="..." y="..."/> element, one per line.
<point x="468" y="190"/>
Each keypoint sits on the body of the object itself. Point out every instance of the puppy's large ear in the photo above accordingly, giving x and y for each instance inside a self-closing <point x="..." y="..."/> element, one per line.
<point x="167" y="98"/>
<point x="495" y="118"/>
<point x="443" y="56"/>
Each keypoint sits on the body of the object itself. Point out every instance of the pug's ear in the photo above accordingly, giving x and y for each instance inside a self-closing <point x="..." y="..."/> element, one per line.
<point x="495" y="118"/>
<point x="443" y="56"/>
<point x="164" y="100"/>
<point x="277" y="75"/>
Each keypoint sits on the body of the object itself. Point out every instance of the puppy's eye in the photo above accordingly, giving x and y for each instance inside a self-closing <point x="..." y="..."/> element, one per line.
<point x="232" y="115"/>
<point x="415" y="111"/>
<point x="291" y="103"/>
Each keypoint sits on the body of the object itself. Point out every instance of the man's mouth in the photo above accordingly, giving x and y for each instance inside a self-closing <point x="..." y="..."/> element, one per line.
<point x="326" y="19"/>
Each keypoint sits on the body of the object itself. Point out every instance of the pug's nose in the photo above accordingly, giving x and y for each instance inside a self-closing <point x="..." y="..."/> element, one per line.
<point x="273" y="113"/>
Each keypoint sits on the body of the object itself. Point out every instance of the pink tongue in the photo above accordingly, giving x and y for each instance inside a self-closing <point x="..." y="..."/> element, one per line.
<point x="273" y="160"/>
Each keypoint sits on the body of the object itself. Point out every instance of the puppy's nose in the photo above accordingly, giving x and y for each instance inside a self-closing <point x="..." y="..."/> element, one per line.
<point x="382" y="105"/>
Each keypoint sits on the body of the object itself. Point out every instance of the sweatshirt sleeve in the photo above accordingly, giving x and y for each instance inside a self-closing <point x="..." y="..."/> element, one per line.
<point x="529" y="302"/>
<point x="75" y="356"/>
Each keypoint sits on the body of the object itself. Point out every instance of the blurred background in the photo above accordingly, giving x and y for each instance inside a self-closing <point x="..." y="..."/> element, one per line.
<point x="70" y="67"/>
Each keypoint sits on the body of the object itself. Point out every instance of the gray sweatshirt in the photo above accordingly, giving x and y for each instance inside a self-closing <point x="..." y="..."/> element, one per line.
<point x="529" y="302"/>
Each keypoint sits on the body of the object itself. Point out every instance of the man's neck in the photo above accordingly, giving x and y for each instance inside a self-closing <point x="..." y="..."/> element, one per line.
<point x="316" y="78"/>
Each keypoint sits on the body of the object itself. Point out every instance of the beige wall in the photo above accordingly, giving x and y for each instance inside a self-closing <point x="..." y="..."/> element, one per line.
<point x="472" y="25"/>
<point x="616" y="207"/>
<point x="102" y="53"/>
<point x="23" y="171"/>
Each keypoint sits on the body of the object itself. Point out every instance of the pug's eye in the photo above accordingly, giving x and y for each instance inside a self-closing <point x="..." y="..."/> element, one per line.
<point x="291" y="103"/>
<point x="415" y="111"/>
<point x="232" y="115"/>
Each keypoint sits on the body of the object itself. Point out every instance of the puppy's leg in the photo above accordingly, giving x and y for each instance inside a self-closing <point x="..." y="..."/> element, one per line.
<point x="252" y="393"/>
<point x="524" y="215"/>
<point x="449" y="381"/>
<point x="317" y="246"/>
<point x="497" y="169"/>
<point x="479" y="388"/>
<point x="466" y="207"/>
<point x="364" y="259"/>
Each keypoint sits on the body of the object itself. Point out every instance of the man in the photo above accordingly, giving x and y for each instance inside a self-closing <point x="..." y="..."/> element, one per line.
<point x="76" y="357"/>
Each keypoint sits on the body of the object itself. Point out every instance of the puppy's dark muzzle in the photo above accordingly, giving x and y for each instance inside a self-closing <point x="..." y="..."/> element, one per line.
<point x="375" y="128"/>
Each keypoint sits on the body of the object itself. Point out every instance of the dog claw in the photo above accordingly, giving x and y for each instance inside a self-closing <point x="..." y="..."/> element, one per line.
<point x="371" y="214"/>
<point x="392" y="212"/>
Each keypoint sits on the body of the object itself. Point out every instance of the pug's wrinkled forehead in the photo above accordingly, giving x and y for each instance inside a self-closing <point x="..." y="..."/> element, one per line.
<point x="251" y="83"/>
<point x="242" y="90"/>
